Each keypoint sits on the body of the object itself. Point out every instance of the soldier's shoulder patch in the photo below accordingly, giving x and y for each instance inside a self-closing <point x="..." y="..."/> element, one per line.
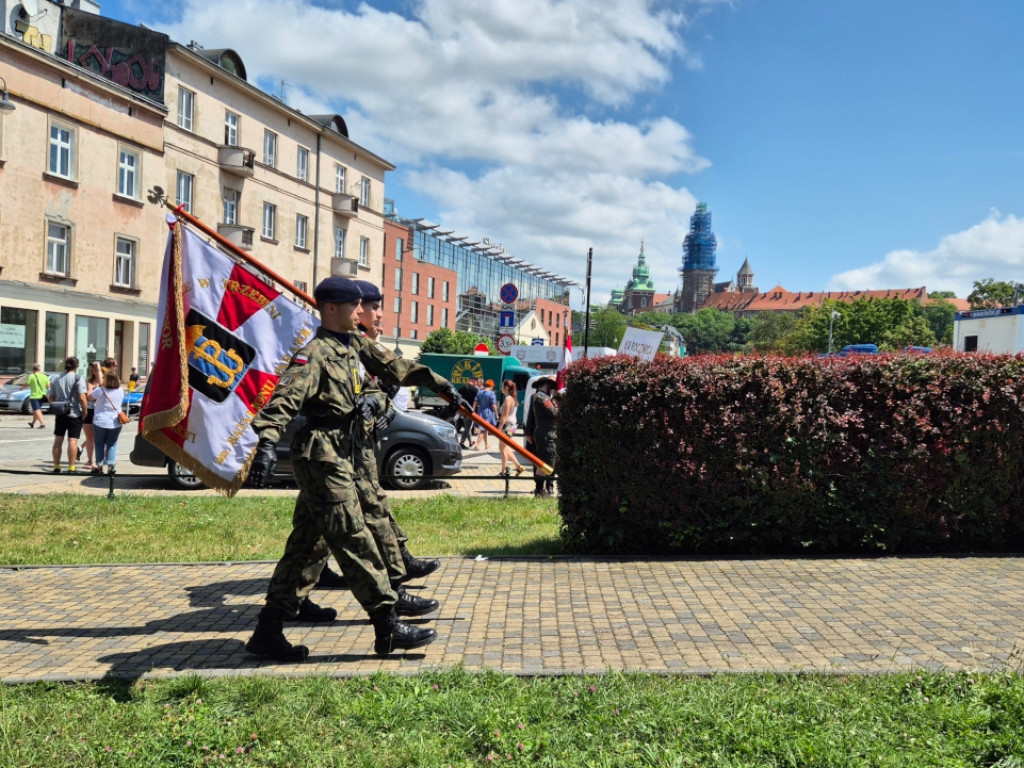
<point x="300" y="359"/>
<point x="380" y="347"/>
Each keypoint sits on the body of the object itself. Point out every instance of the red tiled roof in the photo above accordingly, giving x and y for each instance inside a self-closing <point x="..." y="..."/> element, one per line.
<point x="778" y="299"/>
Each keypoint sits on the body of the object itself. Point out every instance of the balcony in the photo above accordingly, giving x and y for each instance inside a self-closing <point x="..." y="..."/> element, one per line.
<point x="237" y="161"/>
<point x="344" y="205"/>
<point x="237" y="235"/>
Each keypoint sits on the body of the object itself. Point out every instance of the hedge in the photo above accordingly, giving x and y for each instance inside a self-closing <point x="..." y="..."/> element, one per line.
<point x="888" y="454"/>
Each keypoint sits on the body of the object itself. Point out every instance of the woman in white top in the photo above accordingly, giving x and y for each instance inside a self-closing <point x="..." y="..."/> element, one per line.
<point x="507" y="420"/>
<point x="105" y="424"/>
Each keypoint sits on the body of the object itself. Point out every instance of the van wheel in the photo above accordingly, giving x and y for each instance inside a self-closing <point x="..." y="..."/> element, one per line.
<point x="406" y="468"/>
<point x="182" y="478"/>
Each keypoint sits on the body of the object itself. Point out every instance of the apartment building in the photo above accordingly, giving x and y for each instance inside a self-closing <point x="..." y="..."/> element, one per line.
<point x="103" y="113"/>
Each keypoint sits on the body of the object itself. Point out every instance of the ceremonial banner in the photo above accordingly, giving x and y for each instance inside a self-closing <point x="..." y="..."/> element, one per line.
<point x="225" y="338"/>
<point x="566" y="360"/>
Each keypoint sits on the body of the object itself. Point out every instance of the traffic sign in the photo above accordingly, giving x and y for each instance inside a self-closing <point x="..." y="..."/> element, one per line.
<point x="481" y="349"/>
<point x="508" y="293"/>
<point x="507" y="318"/>
<point x="505" y="343"/>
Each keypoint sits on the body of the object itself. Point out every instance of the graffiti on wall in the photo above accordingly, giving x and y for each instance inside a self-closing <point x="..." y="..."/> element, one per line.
<point x="132" y="70"/>
<point x="32" y="36"/>
<point x="131" y="56"/>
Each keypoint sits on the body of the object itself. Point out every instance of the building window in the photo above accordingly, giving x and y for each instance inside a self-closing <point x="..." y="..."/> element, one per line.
<point x="413" y="334"/>
<point x="364" y="192"/>
<point x="184" y="190"/>
<point x="339" y="178"/>
<point x="339" y="243"/>
<point x="230" y="205"/>
<point x="414" y="311"/>
<point x="269" y="220"/>
<point x="270" y="149"/>
<point x="231" y="129"/>
<point x="444" y="317"/>
<point x="186" y="107"/>
<point x="58" y="249"/>
<point x="430" y="315"/>
<point x="398" y="278"/>
<point x="124" y="262"/>
<point x="430" y="287"/>
<point x="416" y="283"/>
<point x="62" y="151"/>
<point x="398" y="305"/>
<point x="301" y="223"/>
<point x="128" y="173"/>
<point x="444" y="291"/>
<point x="364" y="252"/>
<point x="399" y="247"/>
<point x="302" y="164"/>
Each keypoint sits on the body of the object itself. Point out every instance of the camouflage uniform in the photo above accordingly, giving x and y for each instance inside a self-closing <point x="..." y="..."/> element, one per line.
<point x="322" y="382"/>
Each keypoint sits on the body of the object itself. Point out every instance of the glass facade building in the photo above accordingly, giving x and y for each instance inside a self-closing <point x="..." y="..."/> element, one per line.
<point x="482" y="268"/>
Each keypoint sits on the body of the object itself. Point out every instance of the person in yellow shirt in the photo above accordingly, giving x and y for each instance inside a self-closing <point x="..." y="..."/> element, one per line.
<point x="38" y="383"/>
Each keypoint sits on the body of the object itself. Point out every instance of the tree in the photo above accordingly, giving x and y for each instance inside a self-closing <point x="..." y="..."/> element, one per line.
<point x="989" y="293"/>
<point x="940" y="315"/>
<point x="608" y="325"/>
<point x="890" y="323"/>
<point x="768" y="329"/>
<point x="706" y="330"/>
<point x="448" y="342"/>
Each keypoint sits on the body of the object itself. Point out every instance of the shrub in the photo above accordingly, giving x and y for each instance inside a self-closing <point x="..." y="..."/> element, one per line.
<point x="770" y="455"/>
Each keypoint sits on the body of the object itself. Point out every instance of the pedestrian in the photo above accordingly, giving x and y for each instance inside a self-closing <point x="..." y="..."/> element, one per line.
<point x="322" y="381"/>
<point x="68" y="405"/>
<point x="401" y="565"/>
<point x="486" y="407"/>
<point x="107" y="400"/>
<point x="133" y="379"/>
<point x="93" y="380"/>
<point x="509" y="404"/>
<point x="468" y="392"/>
<point x="38" y="383"/>
<point x="540" y="432"/>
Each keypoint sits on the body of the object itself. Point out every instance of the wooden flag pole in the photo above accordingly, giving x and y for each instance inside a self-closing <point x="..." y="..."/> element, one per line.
<point x="157" y="195"/>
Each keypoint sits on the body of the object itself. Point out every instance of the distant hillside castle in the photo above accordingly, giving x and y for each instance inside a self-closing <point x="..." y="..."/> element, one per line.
<point x="740" y="296"/>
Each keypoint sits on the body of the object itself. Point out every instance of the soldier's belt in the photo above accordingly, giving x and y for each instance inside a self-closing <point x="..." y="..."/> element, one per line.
<point x="327" y="425"/>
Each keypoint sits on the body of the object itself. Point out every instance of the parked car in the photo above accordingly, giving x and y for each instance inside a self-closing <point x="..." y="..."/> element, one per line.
<point x="133" y="399"/>
<point x="413" y="448"/>
<point x="14" y="394"/>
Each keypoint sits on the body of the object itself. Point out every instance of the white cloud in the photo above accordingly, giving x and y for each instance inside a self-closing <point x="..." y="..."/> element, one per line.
<point x="994" y="248"/>
<point x="513" y="115"/>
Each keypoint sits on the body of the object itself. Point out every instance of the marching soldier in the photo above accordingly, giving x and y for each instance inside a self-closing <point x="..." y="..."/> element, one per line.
<point x="323" y="383"/>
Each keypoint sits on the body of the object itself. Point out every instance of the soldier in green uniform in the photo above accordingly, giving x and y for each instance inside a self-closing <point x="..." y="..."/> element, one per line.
<point x="323" y="382"/>
<point x="391" y="540"/>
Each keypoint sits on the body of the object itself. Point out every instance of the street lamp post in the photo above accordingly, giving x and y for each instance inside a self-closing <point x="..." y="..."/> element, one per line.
<point x="831" y="320"/>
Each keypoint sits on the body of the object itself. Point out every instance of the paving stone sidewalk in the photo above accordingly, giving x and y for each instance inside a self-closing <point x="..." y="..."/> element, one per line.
<point x="533" y="617"/>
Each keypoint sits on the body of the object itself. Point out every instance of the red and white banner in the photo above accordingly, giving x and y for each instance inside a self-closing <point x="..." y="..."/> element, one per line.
<point x="566" y="360"/>
<point x="225" y="338"/>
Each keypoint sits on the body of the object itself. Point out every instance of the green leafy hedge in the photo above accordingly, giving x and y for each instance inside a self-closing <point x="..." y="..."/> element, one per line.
<point x="770" y="455"/>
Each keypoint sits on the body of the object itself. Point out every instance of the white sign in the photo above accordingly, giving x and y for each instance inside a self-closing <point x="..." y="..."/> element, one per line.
<point x="505" y="343"/>
<point x="642" y="344"/>
<point x="12" y="336"/>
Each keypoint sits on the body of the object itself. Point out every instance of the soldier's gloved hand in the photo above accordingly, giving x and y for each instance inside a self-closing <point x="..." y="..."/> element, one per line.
<point x="457" y="401"/>
<point x="392" y="391"/>
<point x="368" y="407"/>
<point x="264" y="462"/>
<point x="384" y="420"/>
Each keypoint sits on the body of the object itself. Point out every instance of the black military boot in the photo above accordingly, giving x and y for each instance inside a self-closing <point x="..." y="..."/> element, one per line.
<point x="311" y="612"/>
<point x="410" y="605"/>
<point x="416" y="568"/>
<point x="331" y="580"/>
<point x="268" y="639"/>
<point x="393" y="634"/>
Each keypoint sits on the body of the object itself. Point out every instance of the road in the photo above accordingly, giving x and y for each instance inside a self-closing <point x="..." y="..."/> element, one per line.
<point x="25" y="464"/>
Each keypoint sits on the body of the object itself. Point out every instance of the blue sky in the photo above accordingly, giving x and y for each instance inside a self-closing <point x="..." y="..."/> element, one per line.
<point x="840" y="144"/>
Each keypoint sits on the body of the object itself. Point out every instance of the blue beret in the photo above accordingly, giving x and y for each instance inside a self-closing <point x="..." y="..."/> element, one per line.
<point x="370" y="291"/>
<point x="337" y="290"/>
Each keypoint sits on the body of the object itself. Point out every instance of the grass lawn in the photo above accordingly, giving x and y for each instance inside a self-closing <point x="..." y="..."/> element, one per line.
<point x="75" y="530"/>
<point x="452" y="717"/>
